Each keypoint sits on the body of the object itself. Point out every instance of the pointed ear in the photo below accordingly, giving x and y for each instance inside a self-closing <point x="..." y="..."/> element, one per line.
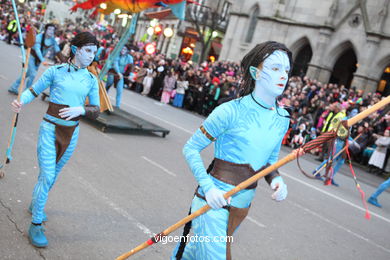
<point x="74" y="49"/>
<point x="255" y="73"/>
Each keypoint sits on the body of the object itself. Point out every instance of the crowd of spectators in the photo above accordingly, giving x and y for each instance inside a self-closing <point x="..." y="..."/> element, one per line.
<point x="200" y="88"/>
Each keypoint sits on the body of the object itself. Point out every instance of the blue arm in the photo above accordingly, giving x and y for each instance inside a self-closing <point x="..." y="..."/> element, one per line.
<point x="43" y="82"/>
<point x="216" y="123"/>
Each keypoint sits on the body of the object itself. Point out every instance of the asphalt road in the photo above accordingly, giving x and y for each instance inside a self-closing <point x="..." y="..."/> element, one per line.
<point x="117" y="190"/>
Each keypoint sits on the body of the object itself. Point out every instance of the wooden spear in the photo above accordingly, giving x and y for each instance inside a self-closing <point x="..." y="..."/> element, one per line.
<point x="290" y="157"/>
<point x="30" y="40"/>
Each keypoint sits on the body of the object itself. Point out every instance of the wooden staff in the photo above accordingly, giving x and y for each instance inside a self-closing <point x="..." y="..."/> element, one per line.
<point x="290" y="157"/>
<point x="105" y="103"/>
<point x="30" y="40"/>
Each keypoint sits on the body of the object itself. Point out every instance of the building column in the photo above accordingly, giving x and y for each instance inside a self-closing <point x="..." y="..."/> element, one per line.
<point x="364" y="83"/>
<point x="316" y="68"/>
<point x="232" y="38"/>
<point x="362" y="77"/>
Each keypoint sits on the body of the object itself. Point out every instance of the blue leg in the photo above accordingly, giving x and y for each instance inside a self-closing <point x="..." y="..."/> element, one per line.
<point x="212" y="224"/>
<point x="47" y="162"/>
<point x="110" y="81"/>
<point x="49" y="170"/>
<point x="14" y="87"/>
<point x="68" y="153"/>
<point x="385" y="185"/>
<point x="30" y="75"/>
<point x="119" y="90"/>
<point x="338" y="163"/>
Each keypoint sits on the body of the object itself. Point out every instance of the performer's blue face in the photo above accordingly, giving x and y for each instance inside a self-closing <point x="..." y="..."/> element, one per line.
<point x="85" y="55"/>
<point x="50" y="31"/>
<point x="124" y="51"/>
<point x="274" y="74"/>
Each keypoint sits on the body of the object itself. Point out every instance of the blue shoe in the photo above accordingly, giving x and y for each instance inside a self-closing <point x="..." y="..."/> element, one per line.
<point x="334" y="183"/>
<point x="44" y="218"/>
<point x="374" y="202"/>
<point x="317" y="176"/>
<point x="36" y="236"/>
<point x="12" y="91"/>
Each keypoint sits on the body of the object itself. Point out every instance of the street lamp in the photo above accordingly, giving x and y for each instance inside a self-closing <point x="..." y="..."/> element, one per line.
<point x="168" y="32"/>
<point x="153" y="22"/>
<point x="117" y="11"/>
<point x="150" y="31"/>
<point x="103" y="6"/>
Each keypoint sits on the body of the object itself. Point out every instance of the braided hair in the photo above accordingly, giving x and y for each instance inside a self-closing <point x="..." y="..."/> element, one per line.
<point x="255" y="58"/>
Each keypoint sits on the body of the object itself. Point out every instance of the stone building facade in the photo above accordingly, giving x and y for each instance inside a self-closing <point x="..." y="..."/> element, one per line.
<point x="185" y="33"/>
<point x="341" y="41"/>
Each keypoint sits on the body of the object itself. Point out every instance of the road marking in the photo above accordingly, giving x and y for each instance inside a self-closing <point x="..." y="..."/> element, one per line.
<point x="335" y="197"/>
<point x="3" y="77"/>
<point x="338" y="226"/>
<point x="255" y="222"/>
<point x="158" y="166"/>
<point x="106" y="135"/>
<point x="115" y="207"/>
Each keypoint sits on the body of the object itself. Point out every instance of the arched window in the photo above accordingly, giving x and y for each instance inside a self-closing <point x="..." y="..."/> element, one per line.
<point x="252" y="24"/>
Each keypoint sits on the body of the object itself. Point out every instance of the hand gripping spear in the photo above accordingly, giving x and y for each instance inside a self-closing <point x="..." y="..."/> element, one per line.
<point x="30" y="40"/>
<point x="290" y="157"/>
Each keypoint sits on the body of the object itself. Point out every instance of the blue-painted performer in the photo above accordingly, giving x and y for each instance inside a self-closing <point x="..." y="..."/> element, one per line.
<point x="247" y="133"/>
<point x="70" y="84"/>
<point x="43" y="43"/>
<point x="333" y="163"/>
<point x="122" y="64"/>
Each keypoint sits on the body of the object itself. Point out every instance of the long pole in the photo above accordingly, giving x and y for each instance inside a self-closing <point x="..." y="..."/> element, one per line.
<point x="25" y="58"/>
<point x="130" y="29"/>
<point x="290" y="157"/>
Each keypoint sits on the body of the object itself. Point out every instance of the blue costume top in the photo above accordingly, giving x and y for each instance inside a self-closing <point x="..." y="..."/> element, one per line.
<point x="66" y="87"/>
<point x="121" y="61"/>
<point x="245" y="133"/>
<point x="49" y="42"/>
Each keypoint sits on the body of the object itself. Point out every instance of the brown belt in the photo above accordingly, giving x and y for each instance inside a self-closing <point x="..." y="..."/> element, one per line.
<point x="63" y="133"/>
<point x="54" y="110"/>
<point x="232" y="173"/>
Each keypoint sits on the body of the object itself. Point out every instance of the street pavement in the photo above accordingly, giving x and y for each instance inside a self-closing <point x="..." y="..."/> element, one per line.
<point x="118" y="190"/>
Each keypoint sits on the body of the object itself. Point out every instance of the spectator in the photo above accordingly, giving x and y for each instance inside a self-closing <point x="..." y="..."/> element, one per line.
<point x="377" y="159"/>
<point x="168" y="86"/>
<point x="182" y="86"/>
